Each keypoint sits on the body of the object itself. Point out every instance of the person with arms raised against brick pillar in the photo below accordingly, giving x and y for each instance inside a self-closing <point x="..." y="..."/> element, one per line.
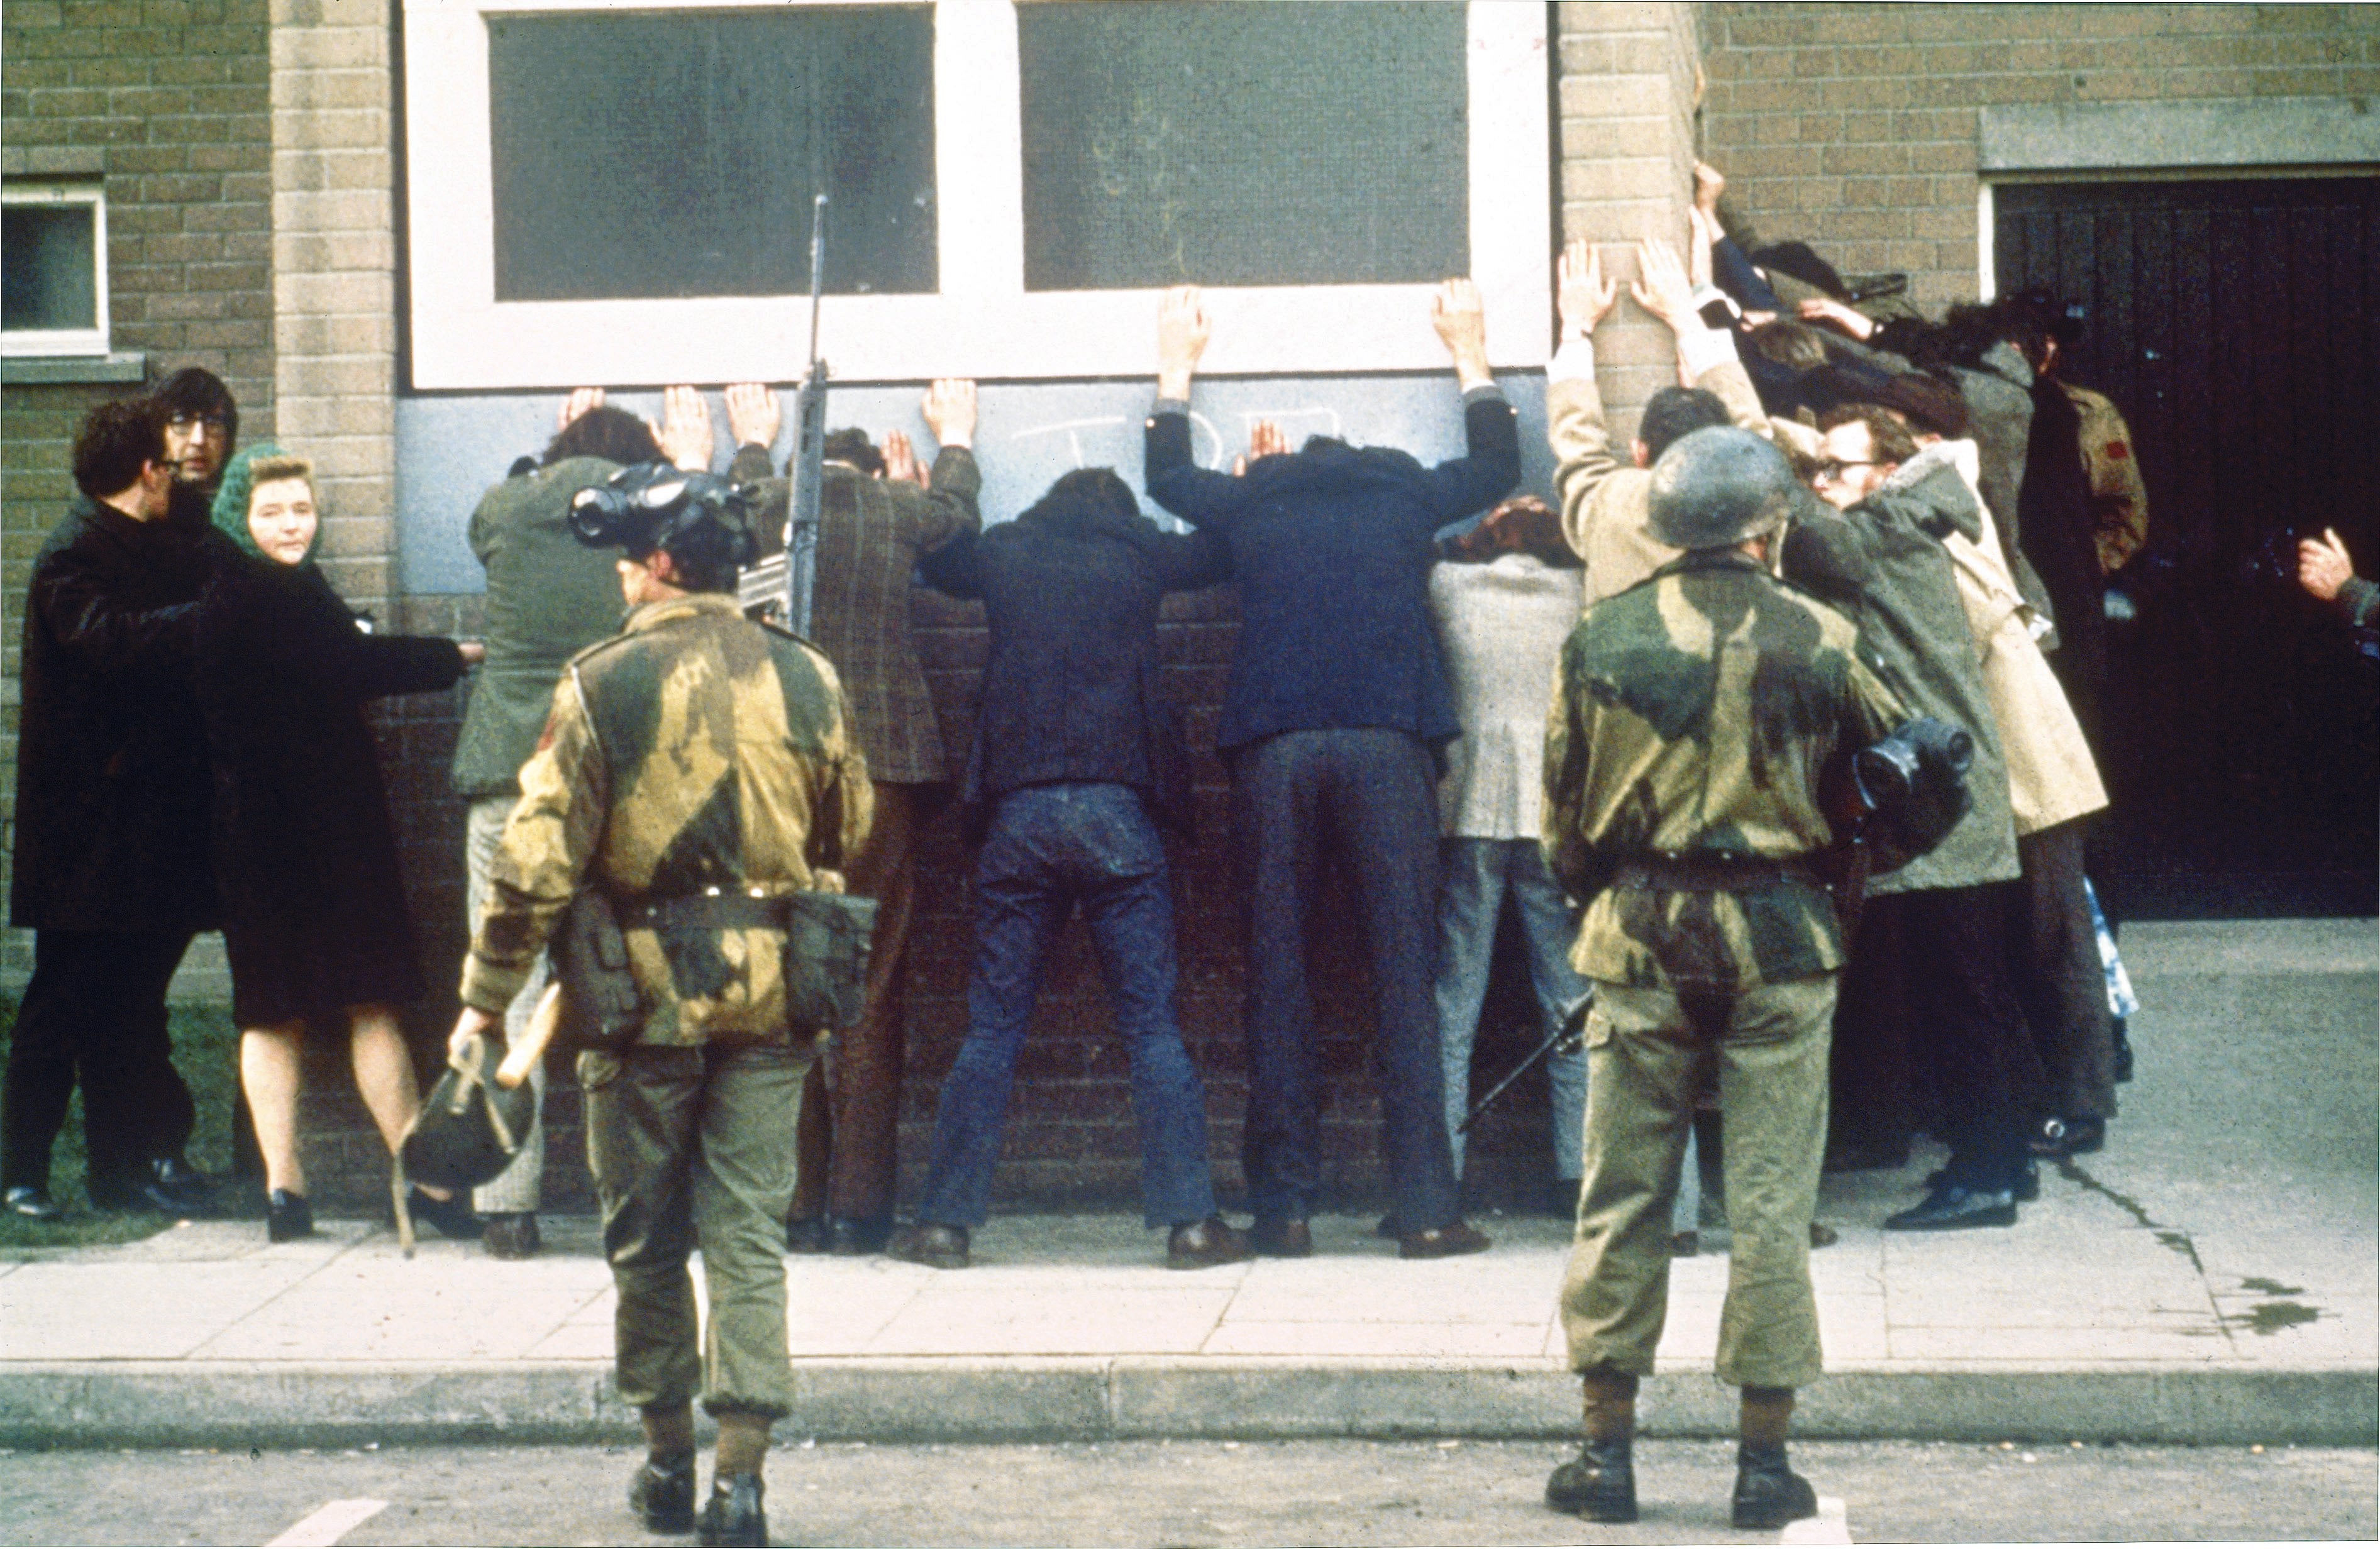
<point x="1337" y="707"/>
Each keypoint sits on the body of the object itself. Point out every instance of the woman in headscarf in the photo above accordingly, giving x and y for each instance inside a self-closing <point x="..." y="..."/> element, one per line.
<point x="315" y="922"/>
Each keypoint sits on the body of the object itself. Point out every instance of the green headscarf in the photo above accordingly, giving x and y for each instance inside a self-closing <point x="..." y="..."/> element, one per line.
<point x="234" y="495"/>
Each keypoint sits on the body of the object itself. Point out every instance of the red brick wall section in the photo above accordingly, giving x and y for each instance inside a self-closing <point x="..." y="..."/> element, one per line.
<point x="1854" y="126"/>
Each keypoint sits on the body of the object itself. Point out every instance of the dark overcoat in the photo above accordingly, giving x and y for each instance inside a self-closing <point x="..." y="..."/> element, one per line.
<point x="111" y="752"/>
<point x="314" y="912"/>
<point x="1073" y="689"/>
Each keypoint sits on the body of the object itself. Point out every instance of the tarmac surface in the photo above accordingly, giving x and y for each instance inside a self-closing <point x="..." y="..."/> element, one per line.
<point x="2211" y="1278"/>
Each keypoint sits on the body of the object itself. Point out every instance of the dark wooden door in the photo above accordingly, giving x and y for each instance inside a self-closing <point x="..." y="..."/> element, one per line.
<point x="2237" y="325"/>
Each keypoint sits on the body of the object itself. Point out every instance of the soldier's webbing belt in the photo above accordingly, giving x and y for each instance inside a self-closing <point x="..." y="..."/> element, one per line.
<point x="1711" y="873"/>
<point x="827" y="940"/>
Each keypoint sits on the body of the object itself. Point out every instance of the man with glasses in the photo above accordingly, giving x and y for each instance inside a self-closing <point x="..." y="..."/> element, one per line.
<point x="202" y="426"/>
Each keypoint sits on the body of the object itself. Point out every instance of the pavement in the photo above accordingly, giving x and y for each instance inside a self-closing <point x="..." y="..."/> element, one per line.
<point x="2211" y="1278"/>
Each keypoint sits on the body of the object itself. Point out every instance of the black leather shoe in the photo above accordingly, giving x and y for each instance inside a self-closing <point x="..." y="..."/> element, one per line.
<point x="288" y="1217"/>
<point x="663" y="1495"/>
<point x="852" y="1238"/>
<point x="2068" y="1137"/>
<point x="929" y="1243"/>
<point x="1276" y="1238"/>
<point x="2024" y="1190"/>
<point x="805" y="1234"/>
<point x="1203" y="1244"/>
<point x="148" y="1190"/>
<point x="1950" y="1207"/>
<point x="33" y="1204"/>
<point x="1598" y="1484"/>
<point x="452" y="1215"/>
<point x="511" y="1234"/>
<point x="733" y="1514"/>
<point x="1451" y="1240"/>
<point x="1767" y="1494"/>
<point x="185" y="1180"/>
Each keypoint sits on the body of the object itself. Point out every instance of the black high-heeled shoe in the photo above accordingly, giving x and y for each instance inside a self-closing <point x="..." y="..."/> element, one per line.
<point x="452" y="1215"/>
<point x="288" y="1217"/>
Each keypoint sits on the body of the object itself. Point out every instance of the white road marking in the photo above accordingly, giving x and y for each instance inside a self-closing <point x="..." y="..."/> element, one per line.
<point x="331" y="1523"/>
<point x="1829" y="1526"/>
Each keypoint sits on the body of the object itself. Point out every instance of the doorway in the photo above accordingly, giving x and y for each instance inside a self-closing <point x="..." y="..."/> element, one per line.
<point x="2234" y="324"/>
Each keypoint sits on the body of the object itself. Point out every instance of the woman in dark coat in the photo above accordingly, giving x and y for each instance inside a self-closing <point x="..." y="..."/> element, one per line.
<point x="314" y="917"/>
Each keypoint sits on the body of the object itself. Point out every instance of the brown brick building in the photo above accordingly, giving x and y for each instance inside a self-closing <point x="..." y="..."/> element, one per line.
<point x="352" y="211"/>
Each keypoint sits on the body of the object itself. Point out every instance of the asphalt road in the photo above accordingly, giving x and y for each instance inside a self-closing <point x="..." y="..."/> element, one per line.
<point x="1189" y="1493"/>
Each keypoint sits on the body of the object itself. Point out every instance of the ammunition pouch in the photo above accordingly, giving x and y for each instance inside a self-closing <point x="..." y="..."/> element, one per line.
<point x="601" y="1008"/>
<point x="826" y="942"/>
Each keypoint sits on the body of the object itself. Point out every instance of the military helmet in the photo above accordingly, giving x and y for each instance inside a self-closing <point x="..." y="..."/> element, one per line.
<point x="700" y="520"/>
<point x="470" y="1127"/>
<point x="1717" y="488"/>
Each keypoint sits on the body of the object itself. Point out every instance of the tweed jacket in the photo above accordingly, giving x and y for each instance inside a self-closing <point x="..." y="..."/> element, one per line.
<point x="1501" y="627"/>
<point x="1602" y="495"/>
<point x="871" y="533"/>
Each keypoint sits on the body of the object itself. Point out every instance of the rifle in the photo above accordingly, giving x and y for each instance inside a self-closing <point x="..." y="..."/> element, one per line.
<point x="1570" y="1035"/>
<point x="784" y="584"/>
<point x="809" y="416"/>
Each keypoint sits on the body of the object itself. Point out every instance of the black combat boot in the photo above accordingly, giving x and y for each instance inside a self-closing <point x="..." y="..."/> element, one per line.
<point x="732" y="1515"/>
<point x="1598" y="1484"/>
<point x="1767" y="1494"/>
<point x="663" y="1494"/>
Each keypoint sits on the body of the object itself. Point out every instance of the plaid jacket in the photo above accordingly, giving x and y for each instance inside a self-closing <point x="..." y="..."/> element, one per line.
<point x="871" y="532"/>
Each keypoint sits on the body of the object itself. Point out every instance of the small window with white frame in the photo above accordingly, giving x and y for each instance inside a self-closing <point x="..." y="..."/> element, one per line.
<point x="619" y="192"/>
<point x="52" y="268"/>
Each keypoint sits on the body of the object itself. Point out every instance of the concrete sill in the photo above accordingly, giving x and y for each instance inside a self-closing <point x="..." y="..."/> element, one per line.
<point x="48" y="370"/>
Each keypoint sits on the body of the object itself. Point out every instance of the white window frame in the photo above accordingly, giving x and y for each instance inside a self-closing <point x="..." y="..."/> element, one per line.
<point x="64" y="341"/>
<point x="983" y="322"/>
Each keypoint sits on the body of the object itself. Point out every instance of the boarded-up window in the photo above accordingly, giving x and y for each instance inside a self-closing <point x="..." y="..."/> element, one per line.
<point x="675" y="154"/>
<point x="1306" y="142"/>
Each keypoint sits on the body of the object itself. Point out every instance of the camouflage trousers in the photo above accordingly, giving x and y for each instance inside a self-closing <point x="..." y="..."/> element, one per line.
<point x="693" y="1147"/>
<point x="1649" y="1051"/>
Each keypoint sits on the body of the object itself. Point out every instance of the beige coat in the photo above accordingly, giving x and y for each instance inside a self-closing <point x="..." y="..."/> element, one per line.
<point x="2051" y="777"/>
<point x="1602" y="494"/>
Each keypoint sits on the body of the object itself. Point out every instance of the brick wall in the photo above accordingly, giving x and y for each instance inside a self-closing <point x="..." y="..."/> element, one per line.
<point x="166" y="102"/>
<point x="1854" y="126"/>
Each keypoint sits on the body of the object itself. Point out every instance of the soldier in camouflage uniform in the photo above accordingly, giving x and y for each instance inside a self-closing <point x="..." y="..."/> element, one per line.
<point x="1693" y="716"/>
<point x="696" y="765"/>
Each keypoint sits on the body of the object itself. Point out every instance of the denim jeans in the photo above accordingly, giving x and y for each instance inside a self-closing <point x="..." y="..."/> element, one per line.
<point x="1368" y="793"/>
<point x="1474" y="876"/>
<point x="1048" y="848"/>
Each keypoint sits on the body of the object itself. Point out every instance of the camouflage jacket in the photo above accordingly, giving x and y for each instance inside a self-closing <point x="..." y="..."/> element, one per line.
<point x="1692" y="716"/>
<point x="693" y="750"/>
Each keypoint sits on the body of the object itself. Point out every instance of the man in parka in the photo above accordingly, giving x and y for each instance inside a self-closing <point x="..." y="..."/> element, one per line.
<point x="1932" y="957"/>
<point x="696" y="770"/>
<point x="1692" y="716"/>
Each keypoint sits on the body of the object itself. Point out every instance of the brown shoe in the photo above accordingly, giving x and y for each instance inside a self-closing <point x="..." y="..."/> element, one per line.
<point x="1443" y="1242"/>
<point x="511" y="1234"/>
<point x="1685" y="1244"/>
<point x="1823" y="1235"/>
<point x="929" y="1243"/>
<point x="1202" y="1244"/>
<point x="1277" y="1239"/>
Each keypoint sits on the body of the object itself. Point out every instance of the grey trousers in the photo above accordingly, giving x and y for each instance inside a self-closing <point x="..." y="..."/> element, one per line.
<point x="516" y="1188"/>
